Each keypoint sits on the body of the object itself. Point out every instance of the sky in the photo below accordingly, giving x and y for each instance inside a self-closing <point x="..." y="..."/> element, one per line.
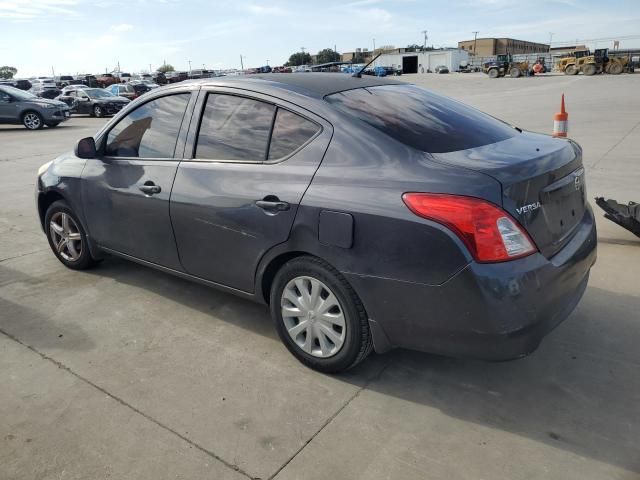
<point x="78" y="36"/>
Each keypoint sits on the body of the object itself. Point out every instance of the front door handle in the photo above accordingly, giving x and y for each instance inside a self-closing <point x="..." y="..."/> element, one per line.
<point x="150" y="188"/>
<point x="272" y="204"/>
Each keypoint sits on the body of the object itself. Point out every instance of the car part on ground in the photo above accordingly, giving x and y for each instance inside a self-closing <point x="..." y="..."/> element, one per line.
<point x="489" y="251"/>
<point x="627" y="216"/>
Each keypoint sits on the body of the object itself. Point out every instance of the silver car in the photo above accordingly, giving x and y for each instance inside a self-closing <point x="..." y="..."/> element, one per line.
<point x="20" y="107"/>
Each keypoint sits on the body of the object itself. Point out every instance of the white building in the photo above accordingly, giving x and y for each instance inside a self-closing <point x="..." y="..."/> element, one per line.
<point x="420" y="62"/>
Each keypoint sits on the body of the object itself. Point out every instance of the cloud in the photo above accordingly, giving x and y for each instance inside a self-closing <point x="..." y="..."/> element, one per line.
<point x="29" y="9"/>
<point x="271" y="10"/>
<point x="122" y="27"/>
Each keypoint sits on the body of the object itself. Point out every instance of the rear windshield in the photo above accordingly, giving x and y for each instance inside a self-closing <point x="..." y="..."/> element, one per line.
<point x="421" y="119"/>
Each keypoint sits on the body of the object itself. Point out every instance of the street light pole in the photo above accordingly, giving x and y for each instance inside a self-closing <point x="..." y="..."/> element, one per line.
<point x="241" y="64"/>
<point x="424" y="46"/>
<point x="189" y="67"/>
<point x="475" y="42"/>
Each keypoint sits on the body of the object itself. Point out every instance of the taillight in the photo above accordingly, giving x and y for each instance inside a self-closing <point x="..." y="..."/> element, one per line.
<point x="490" y="233"/>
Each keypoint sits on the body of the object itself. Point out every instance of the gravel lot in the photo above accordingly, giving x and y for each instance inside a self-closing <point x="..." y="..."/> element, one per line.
<point x="123" y="372"/>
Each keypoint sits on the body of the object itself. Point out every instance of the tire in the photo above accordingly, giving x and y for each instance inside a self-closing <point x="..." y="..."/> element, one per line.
<point x="589" y="69"/>
<point x="493" y="73"/>
<point x="32" y="120"/>
<point x="67" y="239"/>
<point x="53" y="124"/>
<point x="571" y="70"/>
<point x="515" y="72"/>
<point x="98" y="111"/>
<point x="615" y="68"/>
<point x="348" y="320"/>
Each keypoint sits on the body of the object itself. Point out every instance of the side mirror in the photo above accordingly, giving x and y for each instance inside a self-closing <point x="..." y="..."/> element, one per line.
<point x="86" y="148"/>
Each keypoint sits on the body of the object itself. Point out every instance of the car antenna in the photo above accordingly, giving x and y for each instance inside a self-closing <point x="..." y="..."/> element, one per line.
<point x="358" y="74"/>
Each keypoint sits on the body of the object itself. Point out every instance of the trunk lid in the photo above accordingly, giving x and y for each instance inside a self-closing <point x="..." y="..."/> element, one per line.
<point x="542" y="180"/>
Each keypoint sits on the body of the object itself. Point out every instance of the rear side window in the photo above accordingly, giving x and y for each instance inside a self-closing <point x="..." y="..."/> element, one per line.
<point x="421" y="119"/>
<point x="234" y="128"/>
<point x="150" y="131"/>
<point x="290" y="132"/>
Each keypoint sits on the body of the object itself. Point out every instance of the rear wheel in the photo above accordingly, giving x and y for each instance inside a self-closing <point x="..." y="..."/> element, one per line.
<point x="67" y="238"/>
<point x="589" y="69"/>
<point x="493" y="73"/>
<point x="32" y="121"/>
<point x="515" y="72"/>
<point x="319" y="317"/>
<point x="571" y="70"/>
<point x="615" y="68"/>
<point x="98" y="111"/>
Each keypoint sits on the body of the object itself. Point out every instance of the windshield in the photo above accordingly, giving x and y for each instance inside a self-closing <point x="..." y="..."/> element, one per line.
<point x="17" y="93"/>
<point x="97" y="93"/>
<point x="421" y="119"/>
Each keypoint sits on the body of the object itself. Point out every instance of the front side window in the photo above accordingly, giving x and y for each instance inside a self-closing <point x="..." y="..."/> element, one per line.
<point x="234" y="128"/>
<point x="150" y="131"/>
<point x="290" y="132"/>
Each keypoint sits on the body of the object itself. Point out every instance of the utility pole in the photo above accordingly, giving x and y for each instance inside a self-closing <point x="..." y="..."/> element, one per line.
<point x="150" y="70"/>
<point x="475" y="42"/>
<point x="550" y="38"/>
<point x="241" y="64"/>
<point x="189" y="67"/>
<point x="267" y="62"/>
<point x="424" y="45"/>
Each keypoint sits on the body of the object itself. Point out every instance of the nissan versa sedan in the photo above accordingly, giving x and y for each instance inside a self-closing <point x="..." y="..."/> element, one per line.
<point x="367" y="213"/>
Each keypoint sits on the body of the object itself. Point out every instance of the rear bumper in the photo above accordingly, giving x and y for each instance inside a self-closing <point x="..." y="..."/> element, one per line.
<point x="490" y="311"/>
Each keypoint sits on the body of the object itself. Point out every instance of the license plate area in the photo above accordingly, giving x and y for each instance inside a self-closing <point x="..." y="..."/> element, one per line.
<point x="564" y="203"/>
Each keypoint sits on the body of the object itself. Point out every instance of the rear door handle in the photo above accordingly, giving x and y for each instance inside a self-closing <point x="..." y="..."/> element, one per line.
<point x="150" y="188"/>
<point x="273" y="205"/>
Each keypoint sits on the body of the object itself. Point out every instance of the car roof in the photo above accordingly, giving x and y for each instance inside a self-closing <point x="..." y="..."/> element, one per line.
<point x="312" y="84"/>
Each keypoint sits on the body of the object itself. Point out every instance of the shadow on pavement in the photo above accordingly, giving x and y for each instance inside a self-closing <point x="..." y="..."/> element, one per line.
<point x="579" y="392"/>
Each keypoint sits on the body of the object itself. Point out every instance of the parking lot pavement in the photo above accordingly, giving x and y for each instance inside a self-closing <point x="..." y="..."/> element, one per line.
<point x="124" y="372"/>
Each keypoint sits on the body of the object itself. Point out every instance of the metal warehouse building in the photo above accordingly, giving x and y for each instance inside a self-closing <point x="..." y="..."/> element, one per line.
<point x="421" y="62"/>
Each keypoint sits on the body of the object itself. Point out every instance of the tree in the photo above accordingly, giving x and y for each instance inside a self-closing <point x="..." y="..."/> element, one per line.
<point x="327" y="55"/>
<point x="299" y="58"/>
<point x="166" y="68"/>
<point x="7" y="72"/>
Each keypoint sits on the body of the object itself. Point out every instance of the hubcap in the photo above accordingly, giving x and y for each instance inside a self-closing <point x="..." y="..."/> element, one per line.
<point x="66" y="237"/>
<point x="313" y="317"/>
<point x="31" y="120"/>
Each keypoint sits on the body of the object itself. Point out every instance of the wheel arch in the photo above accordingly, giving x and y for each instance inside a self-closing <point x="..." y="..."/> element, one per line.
<point x="269" y="269"/>
<point x="45" y="200"/>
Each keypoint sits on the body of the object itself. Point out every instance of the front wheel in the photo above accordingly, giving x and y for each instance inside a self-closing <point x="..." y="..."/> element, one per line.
<point x="515" y="72"/>
<point x="32" y="121"/>
<point x="98" y="111"/>
<point x="319" y="317"/>
<point x="493" y="73"/>
<point x="67" y="238"/>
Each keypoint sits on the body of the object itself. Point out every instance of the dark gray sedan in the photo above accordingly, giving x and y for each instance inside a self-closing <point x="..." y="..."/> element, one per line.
<point x="367" y="213"/>
<point x="20" y="107"/>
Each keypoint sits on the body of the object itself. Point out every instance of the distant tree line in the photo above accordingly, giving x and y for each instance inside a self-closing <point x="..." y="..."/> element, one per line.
<point x="7" y="72"/>
<point x="304" y="58"/>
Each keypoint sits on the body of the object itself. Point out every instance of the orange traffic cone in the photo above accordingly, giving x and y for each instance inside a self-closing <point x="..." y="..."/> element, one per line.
<point x="561" y="121"/>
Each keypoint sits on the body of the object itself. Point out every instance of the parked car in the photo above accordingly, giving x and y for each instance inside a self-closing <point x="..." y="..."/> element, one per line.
<point x="175" y="77"/>
<point x="64" y="80"/>
<point x="150" y="83"/>
<point x="104" y="80"/>
<point x="122" y="77"/>
<point x="441" y="69"/>
<point x="21" y="83"/>
<point x="44" y="88"/>
<point x="88" y="80"/>
<point x="367" y="212"/>
<point x="140" y="87"/>
<point x="159" y="78"/>
<point x="93" y="101"/>
<point x="122" y="90"/>
<point x="20" y="107"/>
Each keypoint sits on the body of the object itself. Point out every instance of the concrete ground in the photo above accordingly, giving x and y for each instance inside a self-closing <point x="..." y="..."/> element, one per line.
<point x="123" y="372"/>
